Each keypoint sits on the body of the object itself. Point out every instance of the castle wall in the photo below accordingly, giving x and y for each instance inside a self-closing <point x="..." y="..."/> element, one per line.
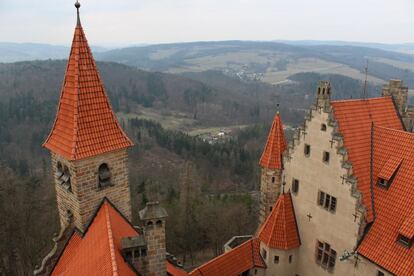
<point x="338" y="228"/>
<point x="285" y="265"/>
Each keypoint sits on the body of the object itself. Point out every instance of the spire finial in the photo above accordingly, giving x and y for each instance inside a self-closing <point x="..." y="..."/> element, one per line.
<point x="77" y="6"/>
<point x="277" y="108"/>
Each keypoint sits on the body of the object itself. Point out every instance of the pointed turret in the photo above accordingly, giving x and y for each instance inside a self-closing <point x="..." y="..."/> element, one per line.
<point x="271" y="163"/>
<point x="275" y="146"/>
<point x="279" y="238"/>
<point x="280" y="231"/>
<point x="85" y="124"/>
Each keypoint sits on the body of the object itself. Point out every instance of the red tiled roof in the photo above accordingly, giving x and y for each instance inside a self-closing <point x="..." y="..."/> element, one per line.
<point x="275" y="146"/>
<point x="172" y="270"/>
<point x="85" y="124"/>
<point x="389" y="167"/>
<point x="393" y="206"/>
<point x="355" y="118"/>
<point x="234" y="262"/>
<point x="98" y="252"/>
<point x="280" y="229"/>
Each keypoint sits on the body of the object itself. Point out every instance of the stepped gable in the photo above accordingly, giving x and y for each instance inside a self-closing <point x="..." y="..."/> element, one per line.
<point x="394" y="215"/>
<point x="98" y="251"/>
<point x="85" y="124"/>
<point x="234" y="262"/>
<point x="355" y="118"/>
<point x="275" y="146"/>
<point x="280" y="230"/>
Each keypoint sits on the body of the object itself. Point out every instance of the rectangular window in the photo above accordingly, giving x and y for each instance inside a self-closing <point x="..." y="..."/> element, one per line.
<point x="380" y="273"/>
<point x="295" y="186"/>
<point x="264" y="253"/>
<point x="290" y="258"/>
<point x="273" y="179"/>
<point x="325" y="256"/>
<point x="323" y="127"/>
<point x="307" y="150"/>
<point x="276" y="259"/>
<point x="326" y="157"/>
<point x="327" y="201"/>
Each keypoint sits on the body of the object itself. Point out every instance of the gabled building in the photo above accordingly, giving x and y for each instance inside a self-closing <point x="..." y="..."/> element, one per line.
<point x="349" y="205"/>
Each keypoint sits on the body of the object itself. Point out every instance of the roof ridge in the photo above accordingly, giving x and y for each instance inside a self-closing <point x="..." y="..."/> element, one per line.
<point x="76" y="113"/>
<point x="360" y="99"/>
<point x="111" y="240"/>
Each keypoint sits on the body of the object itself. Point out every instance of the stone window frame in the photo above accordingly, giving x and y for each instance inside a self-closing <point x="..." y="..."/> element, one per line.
<point x="63" y="175"/>
<point x="101" y="184"/>
<point x="307" y="150"/>
<point x="327" y="201"/>
<point x="325" y="256"/>
<point x="295" y="186"/>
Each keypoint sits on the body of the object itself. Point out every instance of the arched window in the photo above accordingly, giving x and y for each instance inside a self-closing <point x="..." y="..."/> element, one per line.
<point x="104" y="175"/>
<point x="150" y="224"/>
<point x="158" y="223"/>
<point x="63" y="176"/>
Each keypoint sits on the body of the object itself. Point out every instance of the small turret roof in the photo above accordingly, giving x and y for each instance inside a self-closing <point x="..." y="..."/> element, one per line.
<point x="275" y="146"/>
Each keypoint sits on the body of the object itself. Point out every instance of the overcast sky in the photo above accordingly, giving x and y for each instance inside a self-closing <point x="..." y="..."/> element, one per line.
<point x="124" y="22"/>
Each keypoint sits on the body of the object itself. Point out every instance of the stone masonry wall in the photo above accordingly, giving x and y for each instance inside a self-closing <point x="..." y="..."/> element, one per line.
<point x="156" y="249"/>
<point x="86" y="196"/>
<point x="269" y="191"/>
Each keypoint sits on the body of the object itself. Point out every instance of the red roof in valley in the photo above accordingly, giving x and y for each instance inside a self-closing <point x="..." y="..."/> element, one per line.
<point x="275" y="146"/>
<point x="355" y="118"/>
<point x="393" y="206"/>
<point x="234" y="262"/>
<point x="98" y="252"/>
<point x="85" y="124"/>
<point x="280" y="229"/>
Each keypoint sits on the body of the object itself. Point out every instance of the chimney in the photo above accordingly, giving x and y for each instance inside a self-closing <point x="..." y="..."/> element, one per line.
<point x="153" y="217"/>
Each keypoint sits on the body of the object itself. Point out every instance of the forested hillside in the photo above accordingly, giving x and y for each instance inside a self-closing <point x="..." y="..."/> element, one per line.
<point x="195" y="180"/>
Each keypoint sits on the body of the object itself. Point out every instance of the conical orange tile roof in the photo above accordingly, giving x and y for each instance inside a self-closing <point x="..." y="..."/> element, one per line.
<point x="85" y="124"/>
<point x="280" y="230"/>
<point x="275" y="146"/>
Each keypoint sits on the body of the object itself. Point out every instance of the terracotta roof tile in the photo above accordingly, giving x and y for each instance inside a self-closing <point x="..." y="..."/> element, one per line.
<point x="98" y="252"/>
<point x="234" y="262"/>
<point x="390" y="167"/>
<point x="393" y="206"/>
<point x="275" y="146"/>
<point x="280" y="229"/>
<point x="355" y="118"/>
<point x="85" y="124"/>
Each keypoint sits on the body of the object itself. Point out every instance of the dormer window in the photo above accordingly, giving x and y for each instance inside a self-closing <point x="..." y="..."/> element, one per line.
<point x="405" y="241"/>
<point x="388" y="172"/>
<point x="104" y="176"/>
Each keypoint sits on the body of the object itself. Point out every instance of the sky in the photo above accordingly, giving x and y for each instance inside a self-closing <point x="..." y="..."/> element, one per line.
<point x="131" y="22"/>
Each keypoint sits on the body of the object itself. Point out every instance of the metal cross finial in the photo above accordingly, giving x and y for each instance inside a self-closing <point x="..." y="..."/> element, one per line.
<point x="77" y="6"/>
<point x="277" y="108"/>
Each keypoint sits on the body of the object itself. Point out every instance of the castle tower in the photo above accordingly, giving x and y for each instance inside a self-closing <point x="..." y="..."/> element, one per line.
<point x="87" y="144"/>
<point x="323" y="95"/>
<point x="271" y="163"/>
<point x="153" y="217"/>
<point x="279" y="238"/>
<point x="399" y="94"/>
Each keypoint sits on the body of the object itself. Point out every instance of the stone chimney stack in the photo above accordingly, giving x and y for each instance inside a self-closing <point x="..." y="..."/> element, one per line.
<point x="153" y="217"/>
<point x="323" y="96"/>
<point x="399" y="94"/>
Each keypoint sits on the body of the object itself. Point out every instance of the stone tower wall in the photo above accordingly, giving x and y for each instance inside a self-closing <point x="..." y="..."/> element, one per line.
<point x="270" y="187"/>
<point x="399" y="94"/>
<point x="86" y="195"/>
<point x="156" y="249"/>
